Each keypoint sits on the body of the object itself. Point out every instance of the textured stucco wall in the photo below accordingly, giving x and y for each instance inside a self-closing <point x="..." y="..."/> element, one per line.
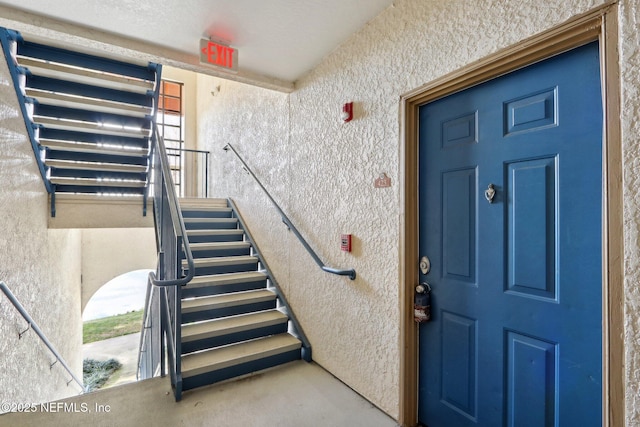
<point x="322" y="171"/>
<point x="630" y="84"/>
<point x="40" y="266"/>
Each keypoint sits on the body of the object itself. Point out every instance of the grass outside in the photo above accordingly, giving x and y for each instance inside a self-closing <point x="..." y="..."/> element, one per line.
<point x="110" y="327"/>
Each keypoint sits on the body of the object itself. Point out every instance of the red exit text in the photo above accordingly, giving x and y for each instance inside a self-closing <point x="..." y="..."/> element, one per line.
<point x="219" y="55"/>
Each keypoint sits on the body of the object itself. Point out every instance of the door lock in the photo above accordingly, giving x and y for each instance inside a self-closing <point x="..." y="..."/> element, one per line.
<point x="425" y="265"/>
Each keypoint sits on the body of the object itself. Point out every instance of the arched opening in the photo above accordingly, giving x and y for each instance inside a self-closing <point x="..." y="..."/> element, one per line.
<point x="112" y="320"/>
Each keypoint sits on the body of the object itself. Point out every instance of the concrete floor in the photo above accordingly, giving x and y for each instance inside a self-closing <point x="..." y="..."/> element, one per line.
<point x="297" y="394"/>
<point x="124" y="349"/>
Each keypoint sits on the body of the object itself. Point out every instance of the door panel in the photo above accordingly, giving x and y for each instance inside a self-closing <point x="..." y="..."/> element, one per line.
<point x="532" y="216"/>
<point x="458" y="224"/>
<point x="515" y="336"/>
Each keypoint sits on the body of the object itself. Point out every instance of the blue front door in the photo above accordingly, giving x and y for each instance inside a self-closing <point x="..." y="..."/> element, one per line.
<point x="515" y="337"/>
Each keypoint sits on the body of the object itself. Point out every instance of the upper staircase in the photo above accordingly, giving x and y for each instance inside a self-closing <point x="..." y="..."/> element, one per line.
<point x="89" y="117"/>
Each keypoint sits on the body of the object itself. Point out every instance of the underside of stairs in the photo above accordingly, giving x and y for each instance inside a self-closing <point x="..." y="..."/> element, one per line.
<point x="89" y="118"/>
<point x="235" y="320"/>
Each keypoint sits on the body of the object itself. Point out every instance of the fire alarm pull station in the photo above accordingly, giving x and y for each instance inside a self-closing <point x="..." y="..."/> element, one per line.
<point x="345" y="242"/>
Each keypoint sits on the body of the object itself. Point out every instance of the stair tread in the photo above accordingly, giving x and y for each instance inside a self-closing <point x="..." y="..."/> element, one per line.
<point x="230" y="325"/>
<point x="226" y="300"/>
<point x="95" y="166"/>
<point x="193" y="202"/>
<point x="97" y="182"/>
<point x="210" y="220"/>
<point x="235" y="354"/>
<point x="75" y="125"/>
<point x="87" y="103"/>
<point x="227" y="279"/>
<point x="223" y="260"/>
<point x="88" y="147"/>
<point x="83" y="75"/>
<point x="214" y="231"/>
<point x="218" y="245"/>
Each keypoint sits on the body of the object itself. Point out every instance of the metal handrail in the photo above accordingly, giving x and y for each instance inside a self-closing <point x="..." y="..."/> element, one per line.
<point x="351" y="273"/>
<point x="176" y="213"/>
<point x="171" y="240"/>
<point x="38" y="331"/>
<point x="178" y="152"/>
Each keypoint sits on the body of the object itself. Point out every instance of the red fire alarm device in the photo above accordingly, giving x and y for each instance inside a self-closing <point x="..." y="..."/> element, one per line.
<point x="345" y="242"/>
<point x="347" y="112"/>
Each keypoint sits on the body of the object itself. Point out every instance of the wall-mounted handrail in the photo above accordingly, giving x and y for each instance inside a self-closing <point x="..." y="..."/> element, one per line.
<point x="38" y="331"/>
<point x="351" y="273"/>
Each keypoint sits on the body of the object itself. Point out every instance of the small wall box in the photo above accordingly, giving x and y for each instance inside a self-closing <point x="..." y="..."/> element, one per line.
<point x="345" y="242"/>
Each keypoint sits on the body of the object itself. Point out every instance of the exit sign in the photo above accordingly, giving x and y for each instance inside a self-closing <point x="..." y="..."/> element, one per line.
<point x="219" y="55"/>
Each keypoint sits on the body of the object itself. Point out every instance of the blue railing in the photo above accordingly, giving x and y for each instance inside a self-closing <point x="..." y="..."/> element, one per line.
<point x="161" y="328"/>
<point x="7" y="38"/>
<point x="351" y="273"/>
<point x="162" y="317"/>
<point x="185" y="164"/>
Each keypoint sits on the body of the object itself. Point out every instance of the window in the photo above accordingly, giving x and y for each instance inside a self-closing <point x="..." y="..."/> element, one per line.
<point x="171" y="127"/>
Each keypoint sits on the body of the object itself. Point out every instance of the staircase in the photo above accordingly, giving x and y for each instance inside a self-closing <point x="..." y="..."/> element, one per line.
<point x="89" y="117"/>
<point x="91" y="123"/>
<point x="234" y="319"/>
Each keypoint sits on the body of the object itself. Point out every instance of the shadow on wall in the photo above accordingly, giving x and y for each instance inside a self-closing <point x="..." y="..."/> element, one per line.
<point x="120" y="295"/>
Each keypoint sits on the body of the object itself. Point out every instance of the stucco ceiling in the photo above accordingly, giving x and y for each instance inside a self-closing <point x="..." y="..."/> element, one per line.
<point x="282" y="39"/>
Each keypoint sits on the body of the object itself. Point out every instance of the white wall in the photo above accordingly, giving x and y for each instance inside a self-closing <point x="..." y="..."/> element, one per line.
<point x="111" y="252"/>
<point x="40" y="266"/>
<point x="322" y="171"/>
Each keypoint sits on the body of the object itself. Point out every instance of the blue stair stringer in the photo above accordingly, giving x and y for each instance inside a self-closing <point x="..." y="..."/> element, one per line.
<point x="89" y="118"/>
<point x="234" y="318"/>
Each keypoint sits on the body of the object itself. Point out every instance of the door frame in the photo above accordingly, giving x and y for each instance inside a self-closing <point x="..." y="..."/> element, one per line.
<point x="599" y="24"/>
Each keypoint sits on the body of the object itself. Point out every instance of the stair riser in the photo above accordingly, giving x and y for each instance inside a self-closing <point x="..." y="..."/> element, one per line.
<point x="211" y="226"/>
<point x="238" y="268"/>
<point x="212" y="238"/>
<point x="189" y="347"/>
<point x="210" y="253"/>
<point x="227" y="311"/>
<point x="188" y="292"/>
<point x="205" y="214"/>
<point x="242" y="369"/>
